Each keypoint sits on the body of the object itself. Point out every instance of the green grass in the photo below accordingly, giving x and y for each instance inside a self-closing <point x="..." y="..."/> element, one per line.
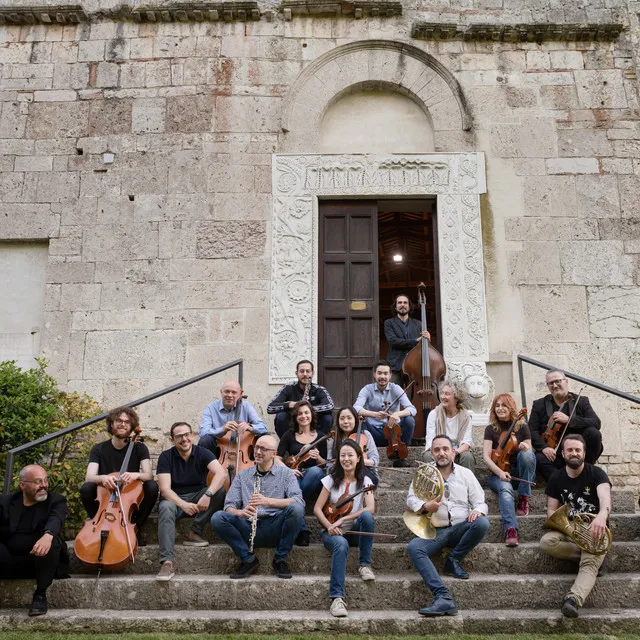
<point x="14" y="635"/>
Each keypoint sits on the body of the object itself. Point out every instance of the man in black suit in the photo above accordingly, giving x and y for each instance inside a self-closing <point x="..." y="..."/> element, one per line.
<point x="584" y="421"/>
<point x="402" y="334"/>
<point x="31" y="544"/>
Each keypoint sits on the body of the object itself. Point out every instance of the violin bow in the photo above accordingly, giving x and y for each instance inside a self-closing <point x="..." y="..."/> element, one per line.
<point x="404" y="393"/>
<point x="575" y="406"/>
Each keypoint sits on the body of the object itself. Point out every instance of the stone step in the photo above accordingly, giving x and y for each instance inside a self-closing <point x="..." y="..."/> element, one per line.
<point x="315" y="559"/>
<point x="267" y="592"/>
<point x="624" y="526"/>
<point x="378" y="622"/>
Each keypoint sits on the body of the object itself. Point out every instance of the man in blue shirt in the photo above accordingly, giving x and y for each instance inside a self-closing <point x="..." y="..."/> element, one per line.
<point x="385" y="403"/>
<point x="226" y="414"/>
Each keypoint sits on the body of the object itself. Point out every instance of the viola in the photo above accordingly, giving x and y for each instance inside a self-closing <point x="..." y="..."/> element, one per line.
<point x="360" y="438"/>
<point x="508" y="446"/>
<point x="395" y="448"/>
<point x="294" y="462"/>
<point x="425" y="366"/>
<point x="109" y="541"/>
<point x="555" y="430"/>
<point x="333" y="511"/>
<point x="236" y="452"/>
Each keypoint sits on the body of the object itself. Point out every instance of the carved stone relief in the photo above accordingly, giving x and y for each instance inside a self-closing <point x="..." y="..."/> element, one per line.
<point x="300" y="180"/>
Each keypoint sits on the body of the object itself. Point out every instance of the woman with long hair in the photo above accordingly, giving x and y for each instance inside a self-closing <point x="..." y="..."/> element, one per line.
<point x="501" y="416"/>
<point x="303" y="432"/>
<point x="346" y="478"/>
<point x="346" y="424"/>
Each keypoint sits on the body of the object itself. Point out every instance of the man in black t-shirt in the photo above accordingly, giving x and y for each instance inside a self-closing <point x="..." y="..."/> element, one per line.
<point x="586" y="488"/>
<point x="108" y="457"/>
<point x="182" y="476"/>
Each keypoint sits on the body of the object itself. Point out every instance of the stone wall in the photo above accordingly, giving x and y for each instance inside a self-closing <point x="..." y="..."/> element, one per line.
<point x="142" y="151"/>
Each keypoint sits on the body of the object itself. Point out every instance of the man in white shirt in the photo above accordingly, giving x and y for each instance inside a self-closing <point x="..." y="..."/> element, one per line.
<point x="460" y="522"/>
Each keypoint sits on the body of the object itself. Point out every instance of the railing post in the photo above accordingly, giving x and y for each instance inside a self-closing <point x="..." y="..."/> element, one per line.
<point x="240" y="372"/>
<point x="523" y="395"/>
<point x="8" y="473"/>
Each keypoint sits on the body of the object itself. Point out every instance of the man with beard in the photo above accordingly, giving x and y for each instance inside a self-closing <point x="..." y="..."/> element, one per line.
<point x="31" y="544"/>
<point x="557" y="406"/>
<point x="460" y="522"/>
<point x="586" y="488"/>
<point x="107" y="458"/>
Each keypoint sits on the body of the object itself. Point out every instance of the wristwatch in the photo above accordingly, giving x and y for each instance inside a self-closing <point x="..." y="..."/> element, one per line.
<point x="208" y="494"/>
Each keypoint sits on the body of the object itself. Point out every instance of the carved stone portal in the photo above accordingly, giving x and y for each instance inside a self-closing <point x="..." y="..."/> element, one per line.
<point x="457" y="179"/>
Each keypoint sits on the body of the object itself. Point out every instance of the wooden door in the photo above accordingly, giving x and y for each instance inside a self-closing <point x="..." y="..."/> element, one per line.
<point x="348" y="339"/>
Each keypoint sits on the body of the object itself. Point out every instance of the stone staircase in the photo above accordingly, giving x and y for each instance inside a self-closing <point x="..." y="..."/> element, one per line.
<point x="511" y="590"/>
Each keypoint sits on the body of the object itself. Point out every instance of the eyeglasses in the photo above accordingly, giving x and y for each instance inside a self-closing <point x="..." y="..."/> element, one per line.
<point x="181" y="436"/>
<point x="118" y="421"/>
<point x="553" y="383"/>
<point x="259" y="447"/>
<point x="39" y="482"/>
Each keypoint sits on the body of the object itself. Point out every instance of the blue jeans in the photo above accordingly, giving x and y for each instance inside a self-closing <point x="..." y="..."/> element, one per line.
<point x="277" y="531"/>
<point x="461" y="537"/>
<point x="310" y="484"/>
<point x="407" y="425"/>
<point x="339" y="547"/>
<point x="506" y="492"/>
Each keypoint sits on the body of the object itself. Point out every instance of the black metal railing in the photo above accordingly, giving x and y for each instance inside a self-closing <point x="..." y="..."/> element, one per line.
<point x="572" y="376"/>
<point x="85" y="423"/>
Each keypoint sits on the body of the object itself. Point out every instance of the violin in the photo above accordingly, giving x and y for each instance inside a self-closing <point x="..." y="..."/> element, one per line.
<point x="396" y="448"/>
<point x="508" y="446"/>
<point x="425" y="366"/>
<point x="333" y="511"/>
<point x="360" y="438"/>
<point x="236" y="452"/>
<point x="555" y="430"/>
<point x="295" y="462"/>
<point x="109" y="541"/>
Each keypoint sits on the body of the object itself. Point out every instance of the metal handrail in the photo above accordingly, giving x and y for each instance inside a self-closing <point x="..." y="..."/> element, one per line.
<point x="573" y="376"/>
<point x="85" y="423"/>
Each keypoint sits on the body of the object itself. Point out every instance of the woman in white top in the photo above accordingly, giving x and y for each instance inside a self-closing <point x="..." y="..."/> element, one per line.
<point x="346" y="425"/>
<point x="347" y="478"/>
<point x="450" y="418"/>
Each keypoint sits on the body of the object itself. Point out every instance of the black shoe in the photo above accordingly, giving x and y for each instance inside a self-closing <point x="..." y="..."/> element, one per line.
<point x="602" y="571"/>
<point x="400" y="462"/>
<point x="141" y="541"/>
<point x="452" y="568"/>
<point x="395" y="456"/>
<point x="245" y="569"/>
<point x="282" y="569"/>
<point x="303" y="539"/>
<point x="569" y="608"/>
<point x="39" y="605"/>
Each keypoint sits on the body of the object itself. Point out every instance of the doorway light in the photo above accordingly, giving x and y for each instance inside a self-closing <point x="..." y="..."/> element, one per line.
<point x="397" y="257"/>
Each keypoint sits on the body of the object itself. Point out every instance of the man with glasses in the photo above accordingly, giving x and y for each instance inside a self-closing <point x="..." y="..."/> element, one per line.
<point x="264" y="508"/>
<point x="31" y="544"/>
<point x="557" y="407"/>
<point x="107" y="458"/>
<point x="182" y="476"/>
<point x="460" y="522"/>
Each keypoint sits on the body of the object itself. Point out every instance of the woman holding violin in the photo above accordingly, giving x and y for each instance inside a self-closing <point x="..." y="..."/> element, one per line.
<point x="450" y="418"/>
<point x="345" y="427"/>
<point x="345" y="505"/>
<point x="309" y="467"/>
<point x="507" y="447"/>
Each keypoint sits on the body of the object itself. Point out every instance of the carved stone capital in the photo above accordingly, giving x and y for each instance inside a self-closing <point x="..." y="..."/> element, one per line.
<point x="357" y="9"/>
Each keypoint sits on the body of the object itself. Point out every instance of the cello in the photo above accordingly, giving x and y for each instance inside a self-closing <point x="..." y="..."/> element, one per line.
<point x="236" y="452"/>
<point x="501" y="456"/>
<point x="109" y="541"/>
<point x="425" y="366"/>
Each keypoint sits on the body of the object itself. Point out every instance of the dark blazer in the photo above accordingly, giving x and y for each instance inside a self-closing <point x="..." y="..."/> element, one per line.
<point x="401" y="339"/>
<point x="50" y="514"/>
<point x="543" y="408"/>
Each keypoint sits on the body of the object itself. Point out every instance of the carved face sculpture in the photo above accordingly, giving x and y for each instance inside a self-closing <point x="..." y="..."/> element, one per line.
<point x="477" y="386"/>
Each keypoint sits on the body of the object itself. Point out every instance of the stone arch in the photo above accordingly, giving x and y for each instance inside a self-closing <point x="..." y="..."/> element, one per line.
<point x="368" y="63"/>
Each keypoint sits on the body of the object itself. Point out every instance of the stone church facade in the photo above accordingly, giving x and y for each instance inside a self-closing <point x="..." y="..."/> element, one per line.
<point x="161" y="169"/>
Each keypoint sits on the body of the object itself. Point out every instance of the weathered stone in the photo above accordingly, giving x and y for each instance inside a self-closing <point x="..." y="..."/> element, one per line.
<point x="614" y="312"/>
<point x="80" y="297"/>
<point x="572" y="165"/>
<point x="126" y="295"/>
<point x="600" y="89"/>
<point x="27" y="222"/>
<point x="216" y="295"/>
<point x="109" y="117"/>
<point x="133" y="243"/>
<point x="241" y="113"/>
<point x="595" y="263"/>
<point x="536" y="138"/>
<point x="597" y="196"/>
<point x="583" y="142"/>
<point x="58" y="120"/>
<point x="629" y="196"/>
<point x="189" y="114"/>
<point x="126" y="320"/>
<point x="65" y="272"/>
<point x="221" y="270"/>
<point x="537" y="263"/>
<point x="148" y="115"/>
<point x="230" y="239"/>
<point x="549" y="196"/>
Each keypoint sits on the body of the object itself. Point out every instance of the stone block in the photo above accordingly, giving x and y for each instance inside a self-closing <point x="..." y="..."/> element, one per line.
<point x="584" y="142"/>
<point x="538" y="60"/>
<point x="157" y="73"/>
<point x="132" y="75"/>
<point x="107" y="74"/>
<point x="148" y="115"/>
<point x="132" y="242"/>
<point x="567" y="60"/>
<point x="221" y="270"/>
<point x="179" y="207"/>
<point x="117" y="355"/>
<point x="12" y="121"/>
<point x="34" y="163"/>
<point x="54" y="344"/>
<point x="64" y="52"/>
<point x="11" y="186"/>
<point x="629" y="187"/>
<point x="110" y="117"/>
<point x="225" y="178"/>
<point x="174" y="46"/>
<point x="134" y="182"/>
<point x="232" y="239"/>
<point x="16" y="52"/>
<point x="52" y="297"/>
<point x="117" y="296"/>
<point x="140" y="271"/>
<point x="619" y="228"/>
<point x="233" y="206"/>
<point x="54" y="187"/>
<point x="91" y="50"/>
<point x="58" y="120"/>
<point x="70" y="272"/>
<point x="598" y="196"/>
<point x="117" y="49"/>
<point x="595" y="263"/>
<point x="60" y="95"/>
<point x="217" y="295"/>
<point x="189" y="114"/>
<point x="247" y="114"/>
<point x="141" y="48"/>
<point x="541" y="229"/>
<point x="601" y="89"/>
<point x="28" y="222"/>
<point x="543" y="305"/>
<point x="537" y="263"/>
<point x="572" y="165"/>
<point x="123" y="320"/>
<point x="177" y="240"/>
<point x="99" y="184"/>
<point x="78" y="297"/>
<point x="549" y="196"/>
<point x="614" y="312"/>
<point x="535" y="138"/>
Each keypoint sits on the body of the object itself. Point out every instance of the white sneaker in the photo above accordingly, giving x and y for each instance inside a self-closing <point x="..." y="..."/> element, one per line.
<point x="366" y="573"/>
<point x="166" y="571"/>
<point x="338" y="608"/>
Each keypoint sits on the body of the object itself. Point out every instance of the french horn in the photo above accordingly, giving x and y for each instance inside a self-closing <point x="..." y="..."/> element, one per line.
<point x="578" y="530"/>
<point x="428" y="485"/>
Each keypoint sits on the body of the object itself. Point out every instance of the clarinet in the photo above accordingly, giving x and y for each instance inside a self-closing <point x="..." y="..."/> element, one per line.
<point x="254" y="519"/>
<point x="307" y="391"/>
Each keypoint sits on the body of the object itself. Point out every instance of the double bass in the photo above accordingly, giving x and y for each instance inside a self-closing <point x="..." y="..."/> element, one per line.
<point x="236" y="452"/>
<point x="108" y="541"/>
<point x="425" y="366"/>
<point x="508" y="446"/>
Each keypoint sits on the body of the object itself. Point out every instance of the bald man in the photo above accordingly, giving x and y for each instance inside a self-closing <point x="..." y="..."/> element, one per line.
<point x="270" y="493"/>
<point x="229" y="413"/>
<point x="31" y="546"/>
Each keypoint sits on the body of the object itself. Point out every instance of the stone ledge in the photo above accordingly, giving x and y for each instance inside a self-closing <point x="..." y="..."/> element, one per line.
<point x="517" y="32"/>
<point x="358" y="9"/>
<point x="70" y="14"/>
